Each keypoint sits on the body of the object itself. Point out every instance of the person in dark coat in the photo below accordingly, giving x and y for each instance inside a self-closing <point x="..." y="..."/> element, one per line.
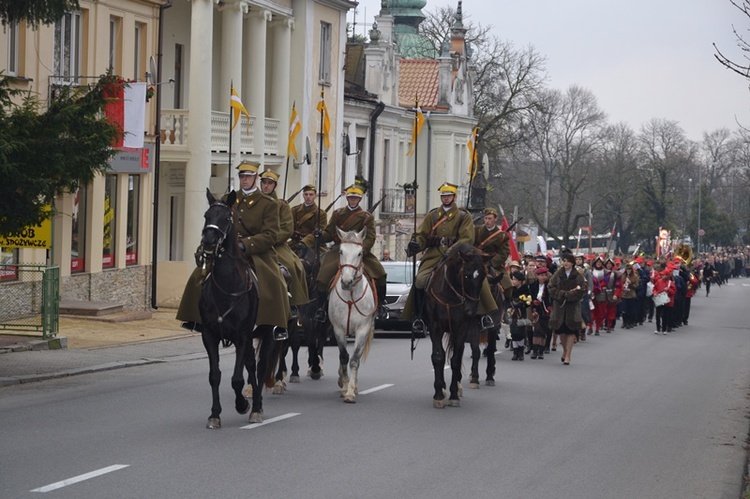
<point x="540" y="316"/>
<point x="519" y="311"/>
<point x="566" y="289"/>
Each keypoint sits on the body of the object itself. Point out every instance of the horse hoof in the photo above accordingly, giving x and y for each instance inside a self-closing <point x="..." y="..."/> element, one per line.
<point x="349" y="399"/>
<point x="490" y="382"/>
<point x="244" y="408"/>
<point x="213" y="423"/>
<point x="474" y="385"/>
<point x="315" y="375"/>
<point x="247" y="392"/>
<point x="294" y="379"/>
<point x="438" y="404"/>
<point x="278" y="388"/>
<point x="454" y="403"/>
<point x="256" y="417"/>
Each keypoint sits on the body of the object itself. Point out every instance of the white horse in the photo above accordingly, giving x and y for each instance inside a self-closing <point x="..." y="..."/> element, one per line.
<point x="351" y="309"/>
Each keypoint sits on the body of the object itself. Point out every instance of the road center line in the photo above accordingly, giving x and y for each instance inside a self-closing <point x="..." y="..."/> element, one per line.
<point x="80" y="478"/>
<point x="376" y="389"/>
<point x="269" y="421"/>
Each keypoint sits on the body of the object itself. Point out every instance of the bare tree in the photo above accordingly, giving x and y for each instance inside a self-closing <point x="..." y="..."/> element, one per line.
<point x="741" y="68"/>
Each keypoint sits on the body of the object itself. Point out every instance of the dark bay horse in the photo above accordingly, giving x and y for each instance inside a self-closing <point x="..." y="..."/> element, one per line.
<point x="488" y="337"/>
<point x="229" y="307"/>
<point x="450" y="312"/>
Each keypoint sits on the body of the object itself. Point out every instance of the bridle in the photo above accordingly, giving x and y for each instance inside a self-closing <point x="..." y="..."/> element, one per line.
<point x="218" y="248"/>
<point x="462" y="295"/>
<point x="358" y="275"/>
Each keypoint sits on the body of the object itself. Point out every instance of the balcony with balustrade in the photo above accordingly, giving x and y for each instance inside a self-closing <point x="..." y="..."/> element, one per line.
<point x="175" y="129"/>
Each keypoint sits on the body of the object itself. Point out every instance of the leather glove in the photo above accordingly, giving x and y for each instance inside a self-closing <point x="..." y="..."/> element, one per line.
<point x="199" y="257"/>
<point x="412" y="248"/>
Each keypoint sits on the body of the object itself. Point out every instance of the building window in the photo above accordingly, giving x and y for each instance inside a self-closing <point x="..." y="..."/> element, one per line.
<point x="324" y="73"/>
<point x="134" y="200"/>
<point x="115" y="45"/>
<point x="110" y="203"/>
<point x="139" y="52"/>
<point x="177" y="86"/>
<point x="67" y="50"/>
<point x="78" y="239"/>
<point x="12" y="30"/>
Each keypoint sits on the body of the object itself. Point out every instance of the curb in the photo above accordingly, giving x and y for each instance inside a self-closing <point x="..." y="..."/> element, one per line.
<point x="56" y="343"/>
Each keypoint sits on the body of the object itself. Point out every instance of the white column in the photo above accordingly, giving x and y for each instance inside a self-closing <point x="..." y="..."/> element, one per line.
<point x="281" y="77"/>
<point x="231" y="70"/>
<point x="198" y="168"/>
<point x="254" y="74"/>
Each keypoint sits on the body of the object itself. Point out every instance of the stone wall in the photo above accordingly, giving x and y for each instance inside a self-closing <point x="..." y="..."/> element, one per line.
<point x="130" y="286"/>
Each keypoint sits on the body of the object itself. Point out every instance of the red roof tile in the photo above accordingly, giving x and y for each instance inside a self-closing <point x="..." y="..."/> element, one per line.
<point x="418" y="78"/>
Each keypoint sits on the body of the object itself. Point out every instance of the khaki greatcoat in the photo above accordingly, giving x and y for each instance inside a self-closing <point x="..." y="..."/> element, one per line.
<point x="298" y="284"/>
<point x="566" y="299"/>
<point x="346" y="220"/>
<point x="306" y="219"/>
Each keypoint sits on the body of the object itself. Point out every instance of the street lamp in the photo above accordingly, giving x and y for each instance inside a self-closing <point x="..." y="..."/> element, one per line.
<point x="700" y="189"/>
<point x="689" y="208"/>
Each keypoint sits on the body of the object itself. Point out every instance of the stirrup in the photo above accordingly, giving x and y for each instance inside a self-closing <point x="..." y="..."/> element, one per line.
<point x="280" y="334"/>
<point x="486" y="322"/>
<point x="382" y="312"/>
<point x="320" y="315"/>
<point x="417" y="327"/>
<point x="295" y="312"/>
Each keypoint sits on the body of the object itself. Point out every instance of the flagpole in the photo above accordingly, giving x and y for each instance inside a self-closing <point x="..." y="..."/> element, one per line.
<point x="320" y="181"/>
<point x="229" y="159"/>
<point x="289" y="138"/>
<point x="416" y="176"/>
<point x="472" y="163"/>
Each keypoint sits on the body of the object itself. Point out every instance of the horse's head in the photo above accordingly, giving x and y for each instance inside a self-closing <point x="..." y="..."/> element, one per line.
<point x="351" y="254"/>
<point x="466" y="273"/>
<point x="218" y="227"/>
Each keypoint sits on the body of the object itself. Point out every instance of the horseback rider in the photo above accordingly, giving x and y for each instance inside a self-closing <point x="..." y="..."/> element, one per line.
<point x="306" y="215"/>
<point x="291" y="263"/>
<point x="256" y="219"/>
<point x="443" y="229"/>
<point x="348" y="218"/>
<point x="495" y="242"/>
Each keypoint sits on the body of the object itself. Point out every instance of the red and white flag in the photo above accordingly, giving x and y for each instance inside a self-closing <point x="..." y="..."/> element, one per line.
<point x="127" y="110"/>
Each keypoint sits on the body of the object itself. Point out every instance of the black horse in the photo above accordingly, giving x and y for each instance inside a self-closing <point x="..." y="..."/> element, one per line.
<point x="488" y="336"/>
<point x="450" y="309"/>
<point x="229" y="307"/>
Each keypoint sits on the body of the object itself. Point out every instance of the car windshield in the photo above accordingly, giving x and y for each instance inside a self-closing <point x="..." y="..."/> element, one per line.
<point x="399" y="273"/>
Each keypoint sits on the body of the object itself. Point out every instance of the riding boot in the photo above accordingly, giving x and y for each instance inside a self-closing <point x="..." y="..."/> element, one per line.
<point x="418" y="326"/>
<point x="382" y="312"/>
<point x="321" y="306"/>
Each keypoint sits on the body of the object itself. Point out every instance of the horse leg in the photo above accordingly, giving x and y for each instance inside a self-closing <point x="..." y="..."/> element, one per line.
<point x="315" y="343"/>
<point x="343" y="361"/>
<point x="279" y="386"/>
<point x="250" y="366"/>
<point x="294" y="343"/>
<point x="476" y="353"/>
<point x="438" y="365"/>
<point x="211" y="343"/>
<point x="360" y="341"/>
<point x="455" y="388"/>
<point x="267" y="348"/>
<point x="238" y="381"/>
<point x="491" y="361"/>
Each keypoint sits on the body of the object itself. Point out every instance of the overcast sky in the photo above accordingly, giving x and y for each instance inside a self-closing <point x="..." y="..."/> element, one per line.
<point x="642" y="59"/>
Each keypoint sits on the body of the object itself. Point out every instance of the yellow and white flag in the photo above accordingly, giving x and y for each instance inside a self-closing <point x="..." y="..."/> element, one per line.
<point x="415" y="129"/>
<point x="472" y="145"/>
<point x="237" y="107"/>
<point x="326" y="121"/>
<point x="294" y="127"/>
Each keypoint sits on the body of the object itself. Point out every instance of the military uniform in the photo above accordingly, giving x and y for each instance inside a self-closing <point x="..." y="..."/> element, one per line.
<point x="346" y="220"/>
<point x="496" y="244"/>
<point x="306" y="219"/>
<point x="298" y="283"/>
<point x="256" y="220"/>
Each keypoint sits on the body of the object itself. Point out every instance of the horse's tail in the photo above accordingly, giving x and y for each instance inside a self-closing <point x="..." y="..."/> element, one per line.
<point x="270" y="377"/>
<point x="368" y="343"/>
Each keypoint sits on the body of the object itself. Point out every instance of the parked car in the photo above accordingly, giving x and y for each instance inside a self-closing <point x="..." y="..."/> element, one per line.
<point x="397" y="290"/>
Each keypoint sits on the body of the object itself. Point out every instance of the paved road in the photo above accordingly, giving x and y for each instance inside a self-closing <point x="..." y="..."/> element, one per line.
<point x="634" y="416"/>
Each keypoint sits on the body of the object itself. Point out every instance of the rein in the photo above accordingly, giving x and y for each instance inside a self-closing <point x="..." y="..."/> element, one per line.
<point x="358" y="277"/>
<point x="462" y="295"/>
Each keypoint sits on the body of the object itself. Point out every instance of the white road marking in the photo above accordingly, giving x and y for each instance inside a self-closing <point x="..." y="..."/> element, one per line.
<point x="269" y="421"/>
<point x="376" y="389"/>
<point x="80" y="478"/>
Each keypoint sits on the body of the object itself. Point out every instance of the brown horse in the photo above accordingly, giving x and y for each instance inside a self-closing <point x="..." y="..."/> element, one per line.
<point x="450" y="311"/>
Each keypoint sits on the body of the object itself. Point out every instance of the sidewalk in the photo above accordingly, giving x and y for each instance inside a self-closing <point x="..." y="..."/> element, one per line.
<point x="86" y="345"/>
